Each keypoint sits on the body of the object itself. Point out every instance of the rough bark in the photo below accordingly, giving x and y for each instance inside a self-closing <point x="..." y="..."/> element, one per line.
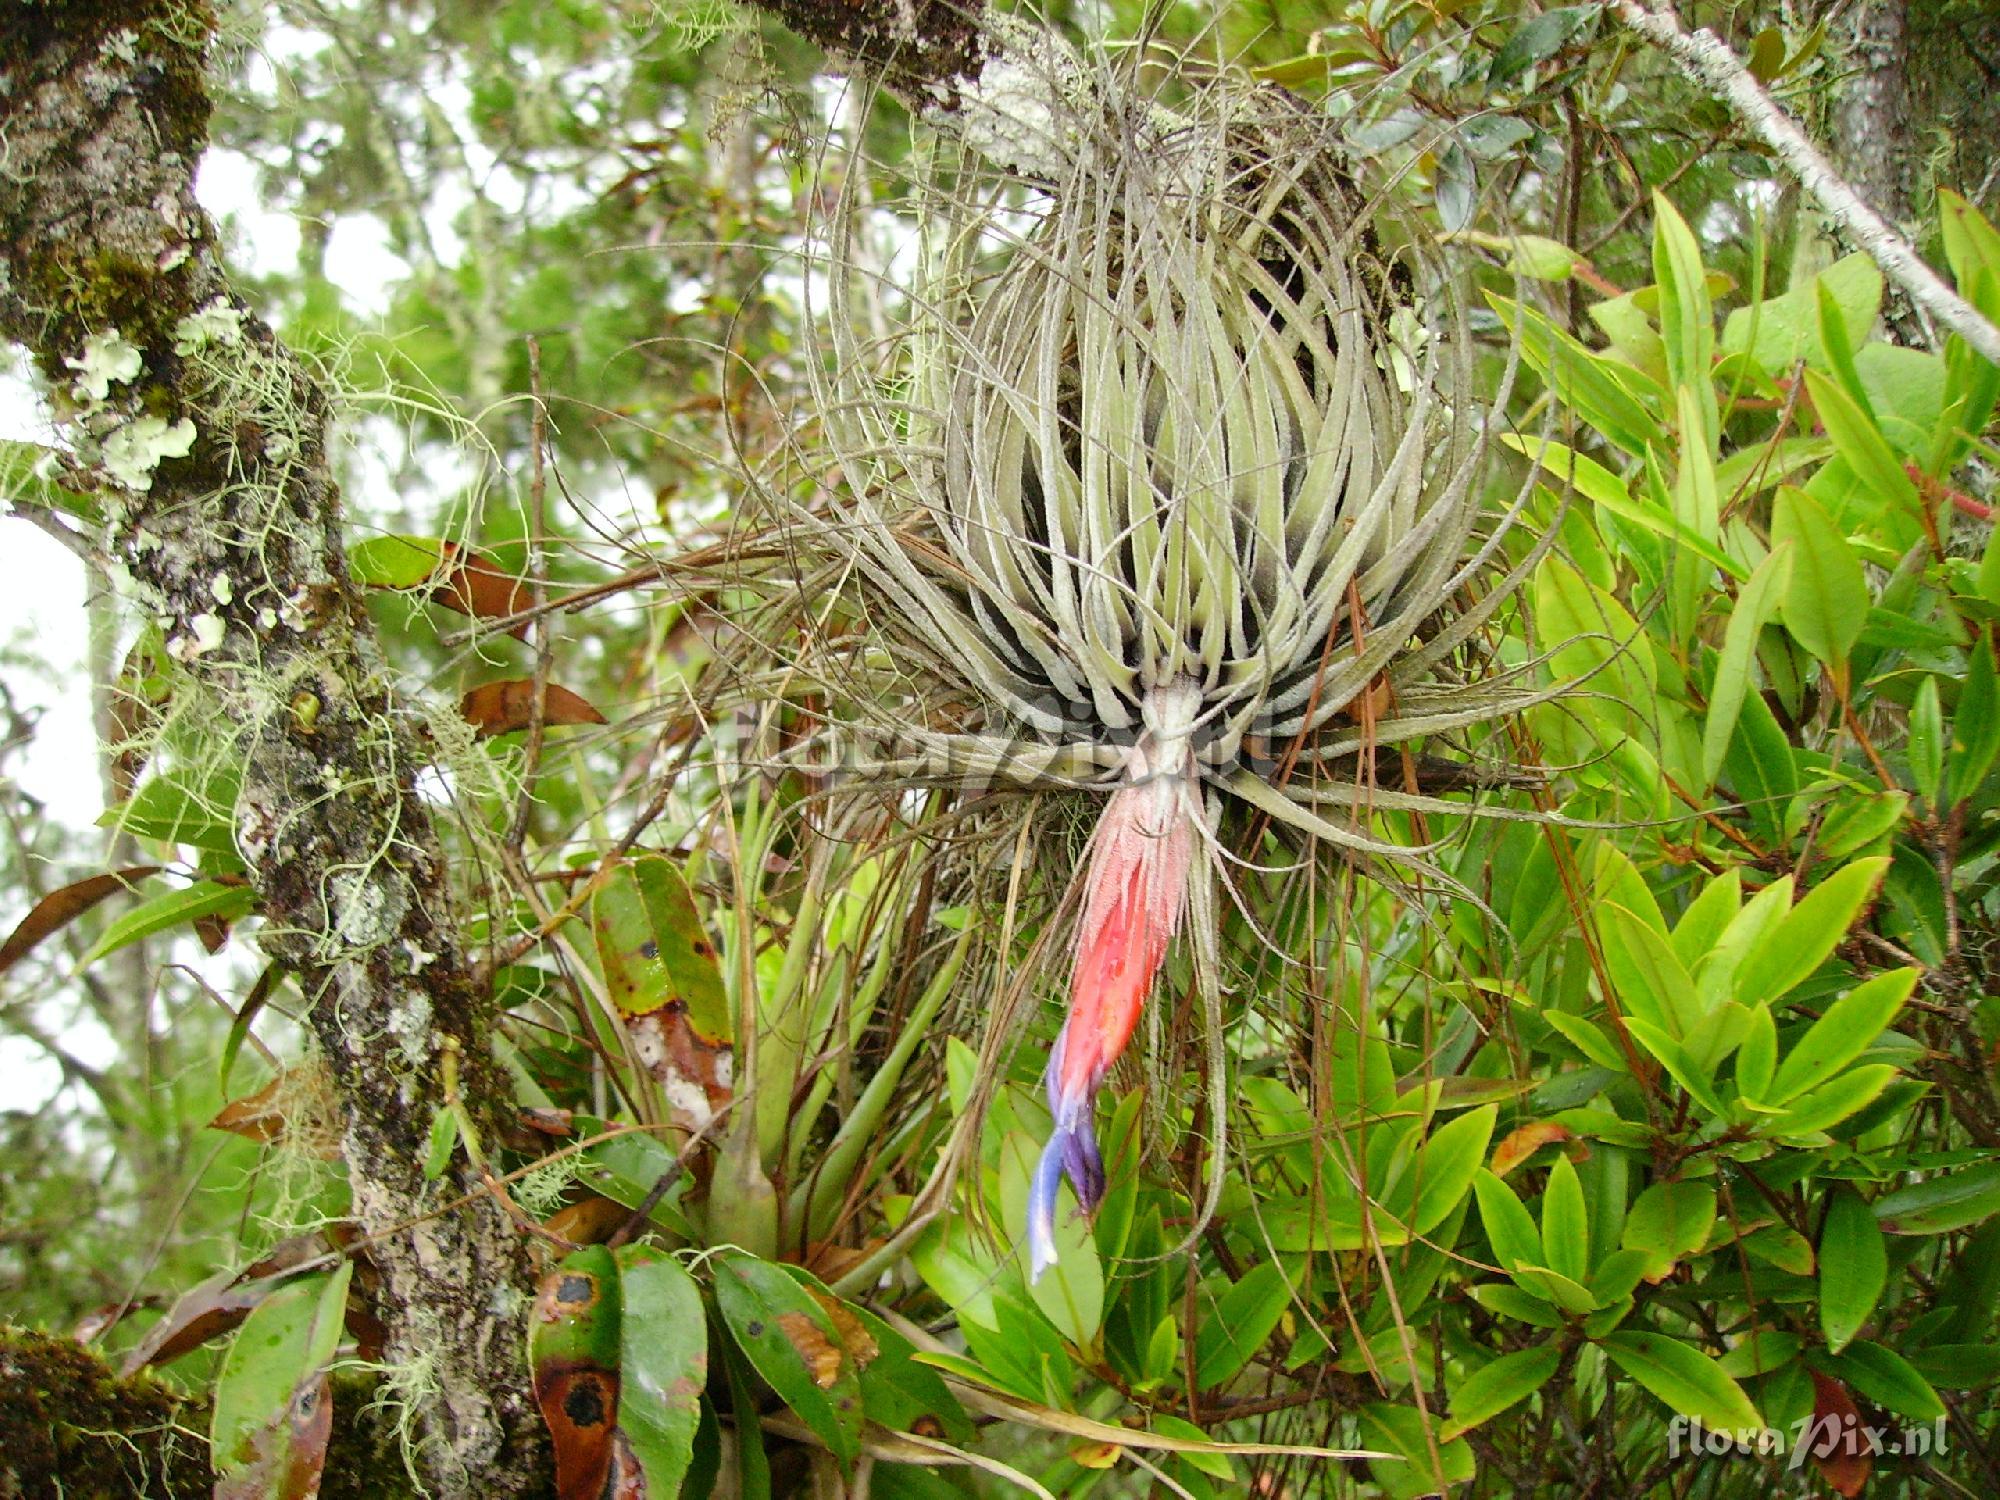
<point x="1869" y="132"/>
<point x="206" y="442"/>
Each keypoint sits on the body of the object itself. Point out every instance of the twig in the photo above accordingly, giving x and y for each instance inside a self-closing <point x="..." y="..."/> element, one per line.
<point x="538" y="578"/>
<point x="1709" y="62"/>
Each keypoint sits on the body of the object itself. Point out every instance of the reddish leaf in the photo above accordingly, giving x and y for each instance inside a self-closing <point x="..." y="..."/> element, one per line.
<point x="213" y="931"/>
<point x="573" y="1349"/>
<point x="1520" y="1144"/>
<point x="473" y="585"/>
<point x="266" y="1115"/>
<point x="580" y="1406"/>
<point x="503" y="707"/>
<point x="58" y="909"/>
<point x="589" y="1222"/>
<point x="627" y="1480"/>
<point x="1838" y="1442"/>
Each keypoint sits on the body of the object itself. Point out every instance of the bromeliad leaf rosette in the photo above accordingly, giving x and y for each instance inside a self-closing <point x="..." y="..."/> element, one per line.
<point x="1176" y="486"/>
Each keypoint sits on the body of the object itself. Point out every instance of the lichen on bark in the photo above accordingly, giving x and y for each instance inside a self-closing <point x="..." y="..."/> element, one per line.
<point x="206" y="444"/>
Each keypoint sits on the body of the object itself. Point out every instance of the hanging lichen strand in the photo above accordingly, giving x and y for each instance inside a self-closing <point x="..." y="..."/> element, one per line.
<point x="1188" y="474"/>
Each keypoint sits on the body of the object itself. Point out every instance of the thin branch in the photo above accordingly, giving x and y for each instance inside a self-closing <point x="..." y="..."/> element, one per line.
<point x="1709" y="62"/>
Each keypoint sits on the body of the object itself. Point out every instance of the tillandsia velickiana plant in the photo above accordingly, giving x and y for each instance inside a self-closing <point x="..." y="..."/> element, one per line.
<point x="1180" y="504"/>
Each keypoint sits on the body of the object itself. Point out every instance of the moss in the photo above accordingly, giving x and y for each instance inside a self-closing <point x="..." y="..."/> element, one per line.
<point x="70" y="1427"/>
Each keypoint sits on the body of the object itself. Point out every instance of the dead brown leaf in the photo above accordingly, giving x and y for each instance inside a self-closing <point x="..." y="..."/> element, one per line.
<point x="504" y="707"/>
<point x="58" y="909"/>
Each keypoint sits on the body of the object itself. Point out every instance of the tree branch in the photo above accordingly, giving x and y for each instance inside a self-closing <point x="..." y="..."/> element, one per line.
<point x="207" y="442"/>
<point x="1708" y="62"/>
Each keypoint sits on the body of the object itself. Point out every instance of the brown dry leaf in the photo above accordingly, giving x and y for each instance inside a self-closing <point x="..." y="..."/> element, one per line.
<point x="473" y="585"/>
<point x="58" y="909"/>
<point x="504" y="707"/>
<point x="830" y="1262"/>
<point x="1520" y="1144"/>
<point x="1839" y="1440"/>
<point x="821" y="1354"/>
<point x="297" y="1103"/>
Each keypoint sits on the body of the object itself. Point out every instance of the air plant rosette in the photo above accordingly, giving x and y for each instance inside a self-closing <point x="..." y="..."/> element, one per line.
<point x="1175" y="495"/>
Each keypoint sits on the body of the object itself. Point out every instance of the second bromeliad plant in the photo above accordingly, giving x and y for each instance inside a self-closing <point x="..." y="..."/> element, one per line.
<point x="1173" y="496"/>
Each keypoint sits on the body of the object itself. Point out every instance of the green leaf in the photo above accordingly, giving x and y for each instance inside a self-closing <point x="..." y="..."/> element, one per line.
<point x="395" y="562"/>
<point x="1681" y="1067"/>
<point x="1070" y="1293"/>
<point x="205" y="898"/>
<point x="1688" y="1381"/>
<point x="898" y="1392"/>
<point x="1952" y="1200"/>
<point x="662" y="1364"/>
<point x="181" y="807"/>
<point x="1926" y="742"/>
<point x="1646" y="972"/>
<point x="1400" y="1430"/>
<point x="1497" y="1385"/>
<point x="1447" y="1164"/>
<point x="1592" y="386"/>
<point x="1808" y="934"/>
<point x="1830" y="1103"/>
<point x="792" y="1342"/>
<point x="1509" y="1228"/>
<point x="1234" y="1329"/>
<point x="1826" y="600"/>
<point x="1885" y="1377"/>
<point x="1565" y="1224"/>
<point x="1536" y="40"/>
<point x="269" y="1430"/>
<point x="1842" y="1034"/>
<point x="1572" y="1297"/>
<point x="1853" y="1267"/>
<point x="1975" y="724"/>
<point x="655" y="949"/>
<point x="1957" y="1367"/>
<point x="1755" y="605"/>
<point x="1859" y="441"/>
<point x="1687" y="325"/>
<point x="1787" y="328"/>
<point x="1670" y="1220"/>
<point x="1972" y="249"/>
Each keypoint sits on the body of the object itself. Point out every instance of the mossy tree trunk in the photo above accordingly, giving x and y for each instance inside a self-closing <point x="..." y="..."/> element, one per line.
<point x="205" y="443"/>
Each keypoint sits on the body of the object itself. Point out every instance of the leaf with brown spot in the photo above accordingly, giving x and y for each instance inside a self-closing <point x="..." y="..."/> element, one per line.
<point x="1519" y="1144"/>
<point x="58" y="909"/>
<point x="1838" y="1441"/>
<point x="692" y="1072"/>
<point x="573" y="1351"/>
<point x="821" y="1354"/>
<point x="286" y="1459"/>
<point x="853" y="1334"/>
<point x="508" y="706"/>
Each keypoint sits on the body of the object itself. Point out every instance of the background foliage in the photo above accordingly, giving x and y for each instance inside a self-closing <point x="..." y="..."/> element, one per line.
<point x="1685" y="1109"/>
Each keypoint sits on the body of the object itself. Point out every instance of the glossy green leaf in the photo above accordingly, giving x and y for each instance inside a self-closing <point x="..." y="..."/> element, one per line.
<point x="205" y="898"/>
<point x="1499" y="1384"/>
<point x="1853" y="1267"/>
<point x="1756" y="605"/>
<point x="1925" y="746"/>
<point x="1826" y="1106"/>
<point x="271" y="1418"/>
<point x="1688" y="1381"/>
<point x="1565" y="1223"/>
<point x="1975" y="725"/>
<point x="1670" y="1220"/>
<point x="1236" y="1326"/>
<point x="663" y="1364"/>
<point x="1938" y="1205"/>
<point x="395" y="562"/>
<point x="1510" y="1229"/>
<point x="1842" y="1034"/>
<point x="1809" y="933"/>
<point x="793" y="1343"/>
<point x="1826" y="599"/>
<point x="1884" y="1376"/>
<point x="1447" y="1163"/>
